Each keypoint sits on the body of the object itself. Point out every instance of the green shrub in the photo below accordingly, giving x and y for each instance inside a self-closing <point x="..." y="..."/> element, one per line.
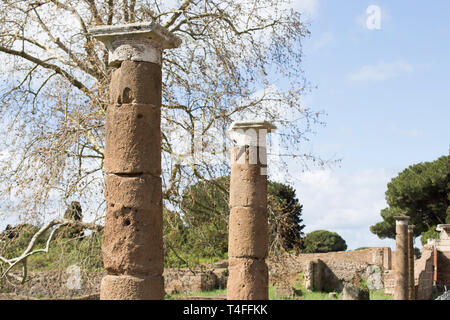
<point x="431" y="233"/>
<point x="323" y="241"/>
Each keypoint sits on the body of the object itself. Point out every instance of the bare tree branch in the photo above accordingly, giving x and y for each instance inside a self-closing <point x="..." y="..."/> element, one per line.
<point x="29" y="250"/>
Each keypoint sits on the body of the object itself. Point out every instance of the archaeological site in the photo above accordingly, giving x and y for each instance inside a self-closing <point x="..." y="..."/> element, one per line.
<point x="168" y="224"/>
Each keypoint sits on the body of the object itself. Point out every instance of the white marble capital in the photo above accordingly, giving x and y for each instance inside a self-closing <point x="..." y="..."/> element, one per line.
<point x="143" y="41"/>
<point x="250" y="133"/>
<point x="401" y="220"/>
<point x="444" y="230"/>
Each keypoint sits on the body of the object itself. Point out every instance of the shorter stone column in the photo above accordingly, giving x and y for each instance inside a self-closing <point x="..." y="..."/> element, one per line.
<point x="401" y="258"/>
<point x="411" y="289"/>
<point x="248" y="237"/>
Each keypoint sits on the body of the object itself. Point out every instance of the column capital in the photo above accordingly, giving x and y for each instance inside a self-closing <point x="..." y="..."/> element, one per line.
<point x="410" y="228"/>
<point x="143" y="41"/>
<point x="444" y="229"/>
<point x="401" y="220"/>
<point x="250" y="133"/>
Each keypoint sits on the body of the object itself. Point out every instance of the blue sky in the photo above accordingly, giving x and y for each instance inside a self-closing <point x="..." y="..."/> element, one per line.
<point x="386" y="93"/>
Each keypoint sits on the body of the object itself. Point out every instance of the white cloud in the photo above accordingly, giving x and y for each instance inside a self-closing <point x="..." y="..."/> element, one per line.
<point x="381" y="72"/>
<point x="346" y="203"/>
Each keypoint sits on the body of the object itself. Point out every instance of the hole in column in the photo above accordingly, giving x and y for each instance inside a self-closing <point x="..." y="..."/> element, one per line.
<point x="140" y="116"/>
<point x="111" y="205"/>
<point x="127" y="95"/>
<point x="126" y="222"/>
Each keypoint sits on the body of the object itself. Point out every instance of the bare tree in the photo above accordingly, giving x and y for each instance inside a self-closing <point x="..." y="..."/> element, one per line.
<point x="30" y="250"/>
<point x="234" y="58"/>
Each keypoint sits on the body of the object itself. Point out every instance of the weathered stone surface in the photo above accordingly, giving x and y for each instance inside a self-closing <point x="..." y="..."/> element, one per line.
<point x="175" y="286"/>
<point x="136" y="82"/>
<point x="248" y="279"/>
<point x="374" y="278"/>
<point x="284" y="292"/>
<point x="351" y="292"/>
<point x="401" y="259"/>
<point x="133" y="139"/>
<point x="126" y="287"/>
<point x="411" y="287"/>
<point x="444" y="296"/>
<point x="248" y="229"/>
<point x="333" y="295"/>
<point x="138" y="41"/>
<point x="247" y="186"/>
<point x="314" y="275"/>
<point x="143" y="191"/>
<point x="248" y="233"/>
<point x="132" y="241"/>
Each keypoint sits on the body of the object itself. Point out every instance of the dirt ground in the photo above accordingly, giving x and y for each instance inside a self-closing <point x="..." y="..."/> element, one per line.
<point x="13" y="296"/>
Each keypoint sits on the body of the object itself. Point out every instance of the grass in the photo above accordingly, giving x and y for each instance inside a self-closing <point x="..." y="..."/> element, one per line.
<point x="211" y="293"/>
<point x="380" y="295"/>
<point x="305" y="295"/>
<point x="301" y="294"/>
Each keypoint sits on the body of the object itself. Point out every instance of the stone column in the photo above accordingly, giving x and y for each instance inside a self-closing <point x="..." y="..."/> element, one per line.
<point x="411" y="285"/>
<point x="132" y="241"/>
<point x="401" y="258"/>
<point x="248" y="223"/>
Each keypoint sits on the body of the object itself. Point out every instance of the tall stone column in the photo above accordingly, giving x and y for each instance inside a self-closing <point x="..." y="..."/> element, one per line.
<point x="132" y="241"/>
<point x="411" y="287"/>
<point x="248" y="241"/>
<point x="401" y="258"/>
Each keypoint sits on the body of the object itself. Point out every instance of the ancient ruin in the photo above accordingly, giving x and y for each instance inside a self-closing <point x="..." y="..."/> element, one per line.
<point x="411" y="286"/>
<point x="132" y="243"/>
<point x="248" y="223"/>
<point x="401" y="258"/>
<point x="442" y="251"/>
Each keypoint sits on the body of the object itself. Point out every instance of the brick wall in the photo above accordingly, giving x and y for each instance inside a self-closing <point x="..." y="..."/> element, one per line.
<point x="423" y="274"/>
<point x="443" y="268"/>
<point x="380" y="256"/>
<point x="185" y="281"/>
<point x="340" y="267"/>
<point x="389" y="281"/>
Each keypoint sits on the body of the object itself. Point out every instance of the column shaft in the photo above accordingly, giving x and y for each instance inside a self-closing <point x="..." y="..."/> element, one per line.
<point x="248" y="227"/>
<point x="411" y="285"/>
<point x="401" y="260"/>
<point x="132" y="242"/>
